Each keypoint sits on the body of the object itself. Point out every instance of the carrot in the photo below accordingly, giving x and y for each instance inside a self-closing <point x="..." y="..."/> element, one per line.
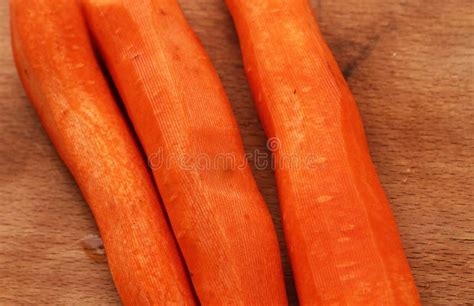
<point x="180" y="111"/>
<point x="58" y="69"/>
<point x="343" y="241"/>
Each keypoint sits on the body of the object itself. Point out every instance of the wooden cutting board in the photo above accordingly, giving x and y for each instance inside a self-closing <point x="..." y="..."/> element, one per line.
<point x="410" y="66"/>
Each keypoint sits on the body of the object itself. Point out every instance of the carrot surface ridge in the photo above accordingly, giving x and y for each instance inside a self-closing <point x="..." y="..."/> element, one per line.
<point x="343" y="241"/>
<point x="58" y="68"/>
<point x="184" y="121"/>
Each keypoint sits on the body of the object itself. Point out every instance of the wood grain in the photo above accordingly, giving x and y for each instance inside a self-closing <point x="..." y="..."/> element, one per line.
<point x="410" y="65"/>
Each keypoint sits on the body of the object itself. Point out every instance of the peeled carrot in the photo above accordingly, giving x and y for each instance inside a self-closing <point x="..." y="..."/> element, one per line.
<point x="343" y="242"/>
<point x="180" y="111"/>
<point x="58" y="69"/>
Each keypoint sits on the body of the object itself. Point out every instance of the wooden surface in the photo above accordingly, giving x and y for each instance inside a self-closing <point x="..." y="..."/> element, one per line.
<point x="410" y="65"/>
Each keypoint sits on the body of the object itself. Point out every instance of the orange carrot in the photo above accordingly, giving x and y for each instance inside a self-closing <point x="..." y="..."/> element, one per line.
<point x="180" y="111"/>
<point x="58" y="69"/>
<point x="342" y="238"/>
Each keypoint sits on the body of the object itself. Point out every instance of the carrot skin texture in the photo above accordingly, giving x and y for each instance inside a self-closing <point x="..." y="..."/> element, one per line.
<point x="59" y="71"/>
<point x="342" y="238"/>
<point x="179" y="109"/>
